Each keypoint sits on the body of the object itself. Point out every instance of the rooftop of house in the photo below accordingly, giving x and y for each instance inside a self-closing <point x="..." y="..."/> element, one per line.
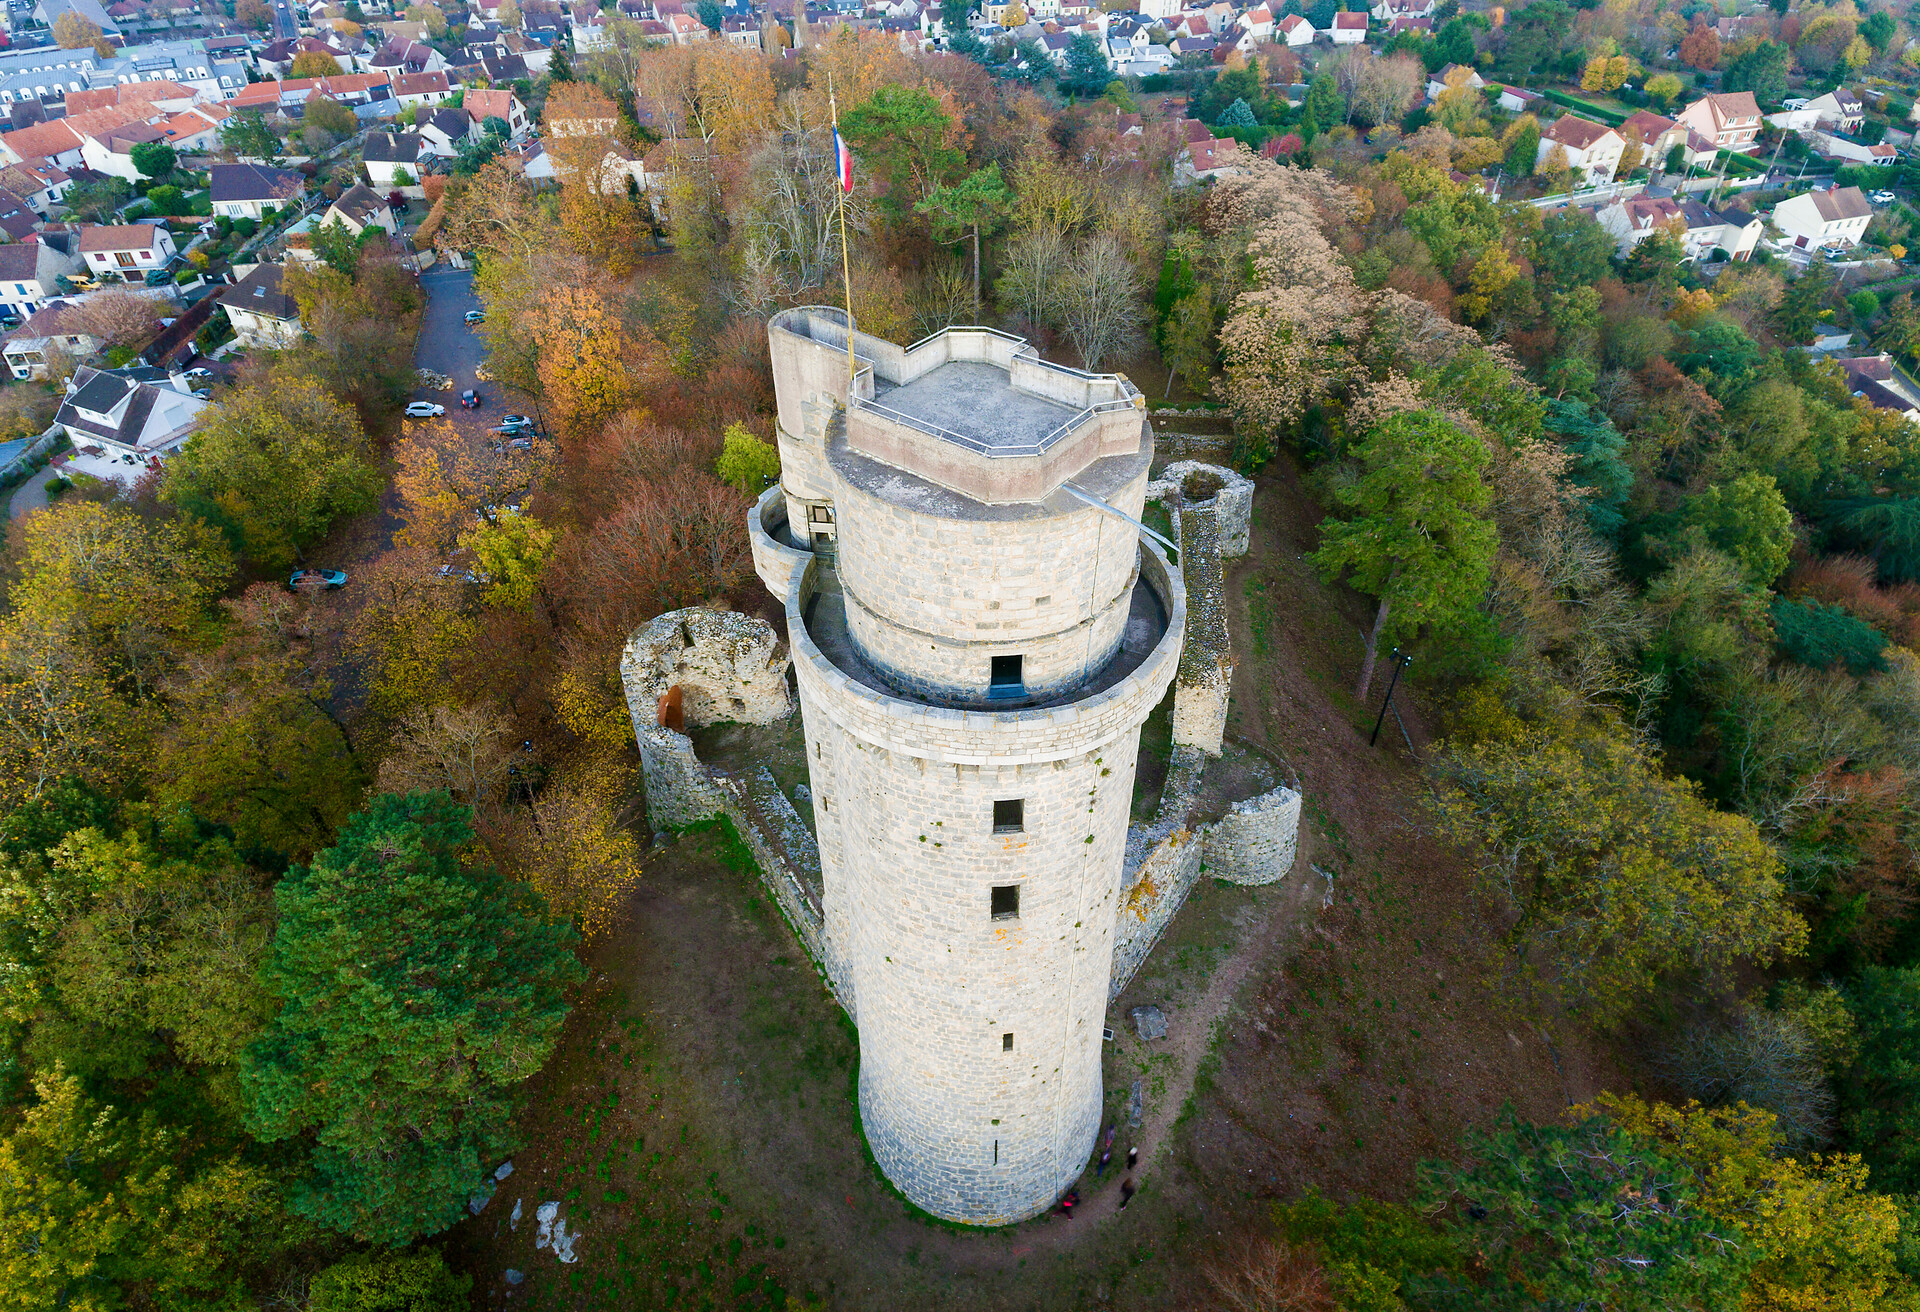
<point x="120" y="237"/>
<point x="259" y="293"/>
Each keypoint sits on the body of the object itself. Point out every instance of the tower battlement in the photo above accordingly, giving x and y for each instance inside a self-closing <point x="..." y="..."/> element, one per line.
<point x="978" y="633"/>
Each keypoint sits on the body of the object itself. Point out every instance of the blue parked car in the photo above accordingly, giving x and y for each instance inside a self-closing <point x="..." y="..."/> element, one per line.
<point x="315" y="580"/>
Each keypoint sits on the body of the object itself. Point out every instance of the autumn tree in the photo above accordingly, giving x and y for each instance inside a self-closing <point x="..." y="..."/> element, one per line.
<point x="508" y="549"/>
<point x="72" y="30"/>
<point x="1617" y="873"/>
<point x="571" y="845"/>
<point x="443" y="472"/>
<point x="463" y="751"/>
<point x="1821" y="1238"/>
<point x="102" y="1207"/>
<point x="417" y="992"/>
<point x="276" y="465"/>
<point x="314" y="63"/>
<point x="1566" y="1216"/>
<point x="1414" y="537"/>
<point x="255" y="14"/>
<point x="1701" y="47"/>
<point x="407" y="633"/>
<point x="251" y="741"/>
<point x="592" y="364"/>
<point x="1099" y="301"/>
<point x="664" y="546"/>
<point x="117" y="316"/>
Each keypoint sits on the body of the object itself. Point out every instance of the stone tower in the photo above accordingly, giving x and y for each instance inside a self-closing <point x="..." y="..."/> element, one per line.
<point x="976" y="647"/>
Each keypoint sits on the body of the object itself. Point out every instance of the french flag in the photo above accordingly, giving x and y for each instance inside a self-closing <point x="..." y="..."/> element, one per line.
<point x="843" y="159"/>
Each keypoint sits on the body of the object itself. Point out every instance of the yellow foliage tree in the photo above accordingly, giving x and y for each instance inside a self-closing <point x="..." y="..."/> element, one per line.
<point x="572" y="846"/>
<point x="592" y="365"/>
<point x="1826" y="1243"/>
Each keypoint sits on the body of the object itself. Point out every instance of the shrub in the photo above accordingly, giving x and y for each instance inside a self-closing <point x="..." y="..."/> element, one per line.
<point x="1864" y="305"/>
<point x="389" y="1282"/>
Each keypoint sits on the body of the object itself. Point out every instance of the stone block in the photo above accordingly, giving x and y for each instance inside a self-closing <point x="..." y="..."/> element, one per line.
<point x="1148" y="1022"/>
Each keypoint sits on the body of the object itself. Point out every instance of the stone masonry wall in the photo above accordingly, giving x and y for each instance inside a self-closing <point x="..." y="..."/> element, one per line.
<point x="1233" y="501"/>
<point x="728" y="666"/>
<point x="1205" y="680"/>
<point x="1255" y="842"/>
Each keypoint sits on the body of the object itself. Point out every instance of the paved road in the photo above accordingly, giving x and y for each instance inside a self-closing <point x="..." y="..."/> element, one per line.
<point x="284" y="23"/>
<point x="446" y="344"/>
<point x="31" y="495"/>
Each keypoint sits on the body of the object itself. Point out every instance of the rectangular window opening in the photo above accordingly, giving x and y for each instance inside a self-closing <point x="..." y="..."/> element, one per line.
<point x="1010" y="815"/>
<point x="1005" y="679"/>
<point x="1006" y="1043"/>
<point x="1006" y="901"/>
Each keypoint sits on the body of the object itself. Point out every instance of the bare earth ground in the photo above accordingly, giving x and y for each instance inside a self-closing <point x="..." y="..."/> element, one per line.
<point x="697" y="1125"/>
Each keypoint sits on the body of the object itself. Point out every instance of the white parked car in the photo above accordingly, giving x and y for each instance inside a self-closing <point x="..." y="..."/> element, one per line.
<point x="1882" y="198"/>
<point x="425" y="410"/>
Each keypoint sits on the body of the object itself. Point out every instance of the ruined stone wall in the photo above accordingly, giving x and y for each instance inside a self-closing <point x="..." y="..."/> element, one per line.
<point x="1201" y="688"/>
<point x="1193" y="482"/>
<point x="1255" y="843"/>
<point x="728" y="666"/>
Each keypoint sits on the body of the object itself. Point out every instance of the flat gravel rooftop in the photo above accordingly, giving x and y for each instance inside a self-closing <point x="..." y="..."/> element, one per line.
<point x="977" y="400"/>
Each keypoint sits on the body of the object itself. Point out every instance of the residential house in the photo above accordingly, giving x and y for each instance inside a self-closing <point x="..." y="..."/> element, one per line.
<point x="28" y="274"/>
<point x="39" y="182"/>
<point x="17" y="219"/>
<point x="1438" y="82"/>
<point x="742" y="32"/>
<point x="360" y="208"/>
<point x="151" y="97"/>
<point x="504" y="105"/>
<point x="1834" y="146"/>
<point x="1818" y="217"/>
<point x="1388" y="10"/>
<point x="1420" y="24"/>
<point x="1258" y="22"/>
<point x="1592" y="149"/>
<point x="403" y="56"/>
<point x="1840" y="110"/>
<point x="1348" y="29"/>
<point x="441" y="131"/>
<point x="118" y="414"/>
<point x="390" y="156"/>
<point x="1293" y="30"/>
<point x="249" y="190"/>
<point x="1203" y="161"/>
<point x="421" y="88"/>
<point x="1872" y="379"/>
<point x="1519" y="100"/>
<point x="261" y="314"/>
<point x="505" y="70"/>
<point x="1730" y="119"/>
<point x="111" y="152"/>
<point x="129" y="251"/>
<point x="1700" y="231"/>
<point x="53" y="330"/>
<point x="1655" y="134"/>
<point x="196" y="128"/>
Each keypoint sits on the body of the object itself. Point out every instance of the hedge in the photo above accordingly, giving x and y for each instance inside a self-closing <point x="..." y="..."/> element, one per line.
<point x="1607" y="116"/>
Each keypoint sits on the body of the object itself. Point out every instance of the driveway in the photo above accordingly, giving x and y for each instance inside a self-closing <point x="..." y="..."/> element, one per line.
<point x="31" y="495"/>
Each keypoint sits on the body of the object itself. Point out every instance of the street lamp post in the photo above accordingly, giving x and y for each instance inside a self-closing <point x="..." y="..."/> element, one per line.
<point x="1400" y="663"/>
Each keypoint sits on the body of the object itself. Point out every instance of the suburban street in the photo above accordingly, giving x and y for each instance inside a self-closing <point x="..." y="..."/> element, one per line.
<point x="284" y="24"/>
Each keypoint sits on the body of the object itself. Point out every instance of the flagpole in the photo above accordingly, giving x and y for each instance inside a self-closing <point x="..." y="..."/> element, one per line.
<point x="843" y="183"/>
